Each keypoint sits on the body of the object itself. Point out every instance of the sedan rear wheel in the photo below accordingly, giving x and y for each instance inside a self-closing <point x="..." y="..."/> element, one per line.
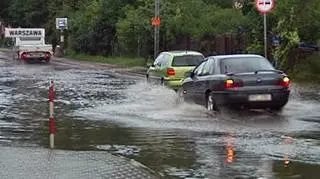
<point x="277" y="108"/>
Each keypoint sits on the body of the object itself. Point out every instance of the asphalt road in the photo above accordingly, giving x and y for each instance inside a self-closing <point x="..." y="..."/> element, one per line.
<point x="103" y="112"/>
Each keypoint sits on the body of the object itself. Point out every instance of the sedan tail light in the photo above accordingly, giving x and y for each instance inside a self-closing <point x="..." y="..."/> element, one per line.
<point x="285" y="82"/>
<point x="229" y="84"/>
<point x="170" y="72"/>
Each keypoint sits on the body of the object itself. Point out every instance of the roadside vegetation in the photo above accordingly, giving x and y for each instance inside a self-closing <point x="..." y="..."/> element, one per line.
<point x="112" y="30"/>
<point x="116" y="61"/>
<point x="308" y="71"/>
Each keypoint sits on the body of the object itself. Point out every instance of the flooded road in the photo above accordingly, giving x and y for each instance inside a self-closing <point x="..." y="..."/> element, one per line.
<point x="98" y="110"/>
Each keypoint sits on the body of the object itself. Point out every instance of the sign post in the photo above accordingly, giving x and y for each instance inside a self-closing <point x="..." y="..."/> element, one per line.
<point x="61" y="24"/>
<point x="264" y="7"/>
<point x="156" y="23"/>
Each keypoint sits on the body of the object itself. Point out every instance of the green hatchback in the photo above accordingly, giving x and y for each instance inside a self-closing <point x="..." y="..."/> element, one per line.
<point x="170" y="67"/>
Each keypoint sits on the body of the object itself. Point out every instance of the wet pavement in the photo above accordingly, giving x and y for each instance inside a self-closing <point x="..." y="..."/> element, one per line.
<point x="98" y="110"/>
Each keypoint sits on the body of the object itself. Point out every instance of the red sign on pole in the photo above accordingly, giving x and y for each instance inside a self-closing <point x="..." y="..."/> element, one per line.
<point x="265" y="6"/>
<point x="155" y="21"/>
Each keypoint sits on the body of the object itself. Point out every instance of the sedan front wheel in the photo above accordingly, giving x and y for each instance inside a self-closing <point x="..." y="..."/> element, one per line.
<point x="210" y="103"/>
<point x="180" y="93"/>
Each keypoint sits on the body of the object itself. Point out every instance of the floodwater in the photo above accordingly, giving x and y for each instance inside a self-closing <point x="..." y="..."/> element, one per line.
<point x="99" y="110"/>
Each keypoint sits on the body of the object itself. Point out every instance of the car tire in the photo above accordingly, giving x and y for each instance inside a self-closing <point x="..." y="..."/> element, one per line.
<point x="277" y="108"/>
<point x="210" y="103"/>
<point x="147" y="79"/>
<point x="162" y="82"/>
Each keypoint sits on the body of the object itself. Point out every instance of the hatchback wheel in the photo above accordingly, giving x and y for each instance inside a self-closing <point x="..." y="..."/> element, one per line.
<point x="162" y="82"/>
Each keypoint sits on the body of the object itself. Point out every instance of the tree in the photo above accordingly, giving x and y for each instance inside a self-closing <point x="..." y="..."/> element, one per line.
<point x="33" y="13"/>
<point x="4" y="10"/>
<point x="187" y="18"/>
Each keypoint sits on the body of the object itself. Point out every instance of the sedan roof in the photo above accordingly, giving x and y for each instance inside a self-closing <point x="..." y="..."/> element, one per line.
<point x="183" y="52"/>
<point x="234" y="56"/>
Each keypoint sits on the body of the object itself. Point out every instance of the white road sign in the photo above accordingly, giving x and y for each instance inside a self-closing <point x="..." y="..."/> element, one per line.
<point x="238" y="4"/>
<point x="62" y="23"/>
<point x="265" y="6"/>
<point x="24" y="32"/>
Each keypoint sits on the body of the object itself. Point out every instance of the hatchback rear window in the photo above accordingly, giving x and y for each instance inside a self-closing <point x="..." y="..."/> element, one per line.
<point x="187" y="60"/>
<point x="244" y="64"/>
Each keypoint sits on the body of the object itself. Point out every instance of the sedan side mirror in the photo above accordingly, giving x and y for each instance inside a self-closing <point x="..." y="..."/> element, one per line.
<point x="189" y="74"/>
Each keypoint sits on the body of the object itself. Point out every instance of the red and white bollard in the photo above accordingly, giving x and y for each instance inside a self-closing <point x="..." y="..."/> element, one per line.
<point x="52" y="129"/>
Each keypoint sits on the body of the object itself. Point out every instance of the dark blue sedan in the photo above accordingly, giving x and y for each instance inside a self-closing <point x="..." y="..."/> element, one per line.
<point x="248" y="81"/>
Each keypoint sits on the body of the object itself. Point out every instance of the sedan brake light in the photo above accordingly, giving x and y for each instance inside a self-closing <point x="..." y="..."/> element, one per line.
<point x="229" y="84"/>
<point x="285" y="82"/>
<point x="170" y="72"/>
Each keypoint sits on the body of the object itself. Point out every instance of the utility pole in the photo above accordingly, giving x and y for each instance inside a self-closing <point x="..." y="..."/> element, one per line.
<point x="265" y="35"/>
<point x="62" y="41"/>
<point x="156" y="28"/>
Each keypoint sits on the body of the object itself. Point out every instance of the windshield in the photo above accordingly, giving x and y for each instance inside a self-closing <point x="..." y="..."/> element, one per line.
<point x="187" y="60"/>
<point x="244" y="64"/>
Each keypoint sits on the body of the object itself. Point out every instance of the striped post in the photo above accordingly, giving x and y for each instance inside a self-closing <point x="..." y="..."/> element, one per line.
<point x="52" y="128"/>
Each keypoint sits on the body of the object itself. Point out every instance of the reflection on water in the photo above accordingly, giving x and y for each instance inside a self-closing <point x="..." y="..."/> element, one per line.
<point x="288" y="141"/>
<point x="230" y="144"/>
<point x="96" y="110"/>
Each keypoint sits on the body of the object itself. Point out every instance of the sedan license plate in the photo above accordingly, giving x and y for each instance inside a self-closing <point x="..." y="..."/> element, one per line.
<point x="260" y="97"/>
<point x="36" y="54"/>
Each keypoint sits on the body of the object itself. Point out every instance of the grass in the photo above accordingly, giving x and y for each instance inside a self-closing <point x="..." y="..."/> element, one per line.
<point x="308" y="71"/>
<point x="118" y="61"/>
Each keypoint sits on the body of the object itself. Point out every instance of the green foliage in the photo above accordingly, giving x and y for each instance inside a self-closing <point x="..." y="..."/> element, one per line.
<point x="81" y="27"/>
<point x="134" y="29"/>
<point x="123" y="27"/>
<point x="34" y="13"/>
<point x="293" y="21"/>
<point x="289" y="37"/>
<point x="4" y="10"/>
<point x="189" y="18"/>
<point x="311" y="63"/>
<point x="296" y="22"/>
<point x="117" y="61"/>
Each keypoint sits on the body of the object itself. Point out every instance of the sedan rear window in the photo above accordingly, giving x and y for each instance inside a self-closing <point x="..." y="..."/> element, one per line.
<point x="244" y="64"/>
<point x="187" y="60"/>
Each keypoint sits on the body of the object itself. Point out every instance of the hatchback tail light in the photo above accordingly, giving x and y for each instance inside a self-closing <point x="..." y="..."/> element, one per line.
<point x="285" y="82"/>
<point x="170" y="72"/>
